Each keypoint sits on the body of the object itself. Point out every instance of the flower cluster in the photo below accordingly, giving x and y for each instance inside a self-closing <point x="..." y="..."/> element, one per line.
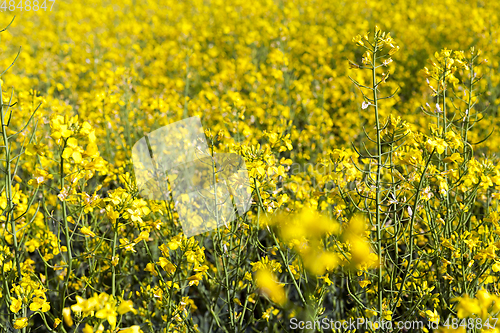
<point x="374" y="183"/>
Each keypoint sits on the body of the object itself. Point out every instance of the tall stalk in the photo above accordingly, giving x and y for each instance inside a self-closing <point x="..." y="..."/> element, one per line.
<point x="379" y="173"/>
<point x="372" y="61"/>
<point x="69" y="257"/>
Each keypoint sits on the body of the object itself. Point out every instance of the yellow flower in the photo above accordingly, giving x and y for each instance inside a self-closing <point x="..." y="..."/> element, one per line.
<point x="195" y="279"/>
<point x="67" y="316"/>
<point x="132" y="329"/>
<point x="326" y="279"/>
<point x="360" y="250"/>
<point x="317" y="262"/>
<point x="496" y="267"/>
<point x="82" y="305"/>
<point x="485" y="299"/>
<point x="115" y="260"/>
<point x="266" y="281"/>
<point x="453" y="158"/>
<point x="393" y="50"/>
<point x="144" y="235"/>
<point x="88" y="329"/>
<point x="359" y="246"/>
<point x="87" y="232"/>
<point x="364" y="283"/>
<point x="40" y="303"/>
<point x="72" y="152"/>
<point x="357" y="40"/>
<point x="16" y="304"/>
<point x="86" y="129"/>
<point x="126" y="306"/>
<point x="33" y="149"/>
<point x="113" y="215"/>
<point x="57" y="321"/>
<point x="438" y="144"/>
<point x="265" y="263"/>
<point x="173" y="245"/>
<point x="151" y="268"/>
<point x="40" y="177"/>
<point x="387" y="315"/>
<point x="432" y="316"/>
<point x="21" y="323"/>
<point x="166" y="265"/>
<point x="107" y="313"/>
<point x="59" y="130"/>
<point x="467" y="307"/>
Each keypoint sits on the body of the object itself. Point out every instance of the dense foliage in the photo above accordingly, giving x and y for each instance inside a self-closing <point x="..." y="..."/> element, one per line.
<point x="368" y="128"/>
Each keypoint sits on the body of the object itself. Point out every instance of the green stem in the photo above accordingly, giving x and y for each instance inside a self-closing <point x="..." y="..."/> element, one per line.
<point x="378" y="181"/>
<point x="8" y="186"/>
<point x="412" y="222"/>
<point x="223" y="256"/>
<point x="113" y="249"/>
<point x="67" y="235"/>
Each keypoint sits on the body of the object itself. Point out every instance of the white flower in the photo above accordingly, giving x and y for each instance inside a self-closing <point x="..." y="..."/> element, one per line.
<point x="426" y="193"/>
<point x="410" y="211"/>
<point x="466" y="114"/>
<point x="365" y="105"/>
<point x="438" y="108"/>
<point x="393" y="201"/>
<point x="63" y="194"/>
<point x="387" y="62"/>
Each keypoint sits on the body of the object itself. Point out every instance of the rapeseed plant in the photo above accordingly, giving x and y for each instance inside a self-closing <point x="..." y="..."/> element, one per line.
<point x="371" y="155"/>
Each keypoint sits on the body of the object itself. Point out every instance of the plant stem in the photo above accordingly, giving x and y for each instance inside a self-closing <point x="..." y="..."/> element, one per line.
<point x="8" y="186"/>
<point x="67" y="234"/>
<point x="378" y="180"/>
<point x="113" y="269"/>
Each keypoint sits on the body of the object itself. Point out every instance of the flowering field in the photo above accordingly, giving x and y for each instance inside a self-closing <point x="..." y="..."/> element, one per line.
<point x="369" y="130"/>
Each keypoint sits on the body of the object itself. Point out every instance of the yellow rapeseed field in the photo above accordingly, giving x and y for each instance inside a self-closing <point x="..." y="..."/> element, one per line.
<point x="369" y="131"/>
